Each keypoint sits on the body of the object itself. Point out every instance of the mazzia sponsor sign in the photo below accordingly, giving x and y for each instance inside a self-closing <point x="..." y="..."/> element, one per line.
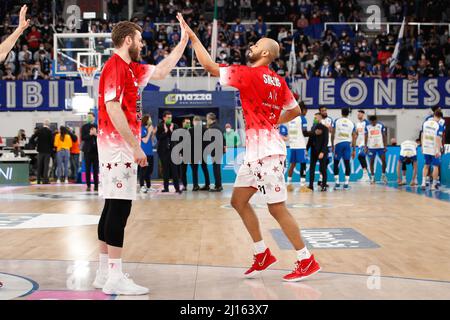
<point x="188" y="99"/>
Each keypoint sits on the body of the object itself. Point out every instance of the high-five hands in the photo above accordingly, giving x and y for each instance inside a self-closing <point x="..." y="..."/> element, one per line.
<point x="185" y="29"/>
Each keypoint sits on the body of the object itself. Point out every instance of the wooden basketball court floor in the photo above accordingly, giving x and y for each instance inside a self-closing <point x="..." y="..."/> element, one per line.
<point x="373" y="242"/>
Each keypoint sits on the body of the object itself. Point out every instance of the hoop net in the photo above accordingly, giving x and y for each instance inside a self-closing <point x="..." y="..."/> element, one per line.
<point x="87" y="75"/>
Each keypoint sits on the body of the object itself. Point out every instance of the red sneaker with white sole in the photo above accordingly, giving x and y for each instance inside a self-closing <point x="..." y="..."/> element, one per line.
<point x="261" y="262"/>
<point x="303" y="269"/>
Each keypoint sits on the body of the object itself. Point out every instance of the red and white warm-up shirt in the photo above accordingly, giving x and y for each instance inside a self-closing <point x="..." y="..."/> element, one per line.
<point x="120" y="81"/>
<point x="263" y="95"/>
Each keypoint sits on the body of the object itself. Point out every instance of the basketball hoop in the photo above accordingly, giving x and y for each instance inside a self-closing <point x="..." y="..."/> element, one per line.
<point x="87" y="75"/>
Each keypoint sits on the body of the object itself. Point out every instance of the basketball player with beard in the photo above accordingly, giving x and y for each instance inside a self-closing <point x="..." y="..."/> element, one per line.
<point x="119" y="147"/>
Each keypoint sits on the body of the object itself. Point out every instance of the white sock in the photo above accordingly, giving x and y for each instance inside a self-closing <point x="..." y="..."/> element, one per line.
<point x="289" y="180"/>
<point x="347" y="179"/>
<point x="115" y="267"/>
<point x="303" y="254"/>
<point x="336" y="179"/>
<point x="302" y="180"/>
<point x="103" y="263"/>
<point x="260" y="247"/>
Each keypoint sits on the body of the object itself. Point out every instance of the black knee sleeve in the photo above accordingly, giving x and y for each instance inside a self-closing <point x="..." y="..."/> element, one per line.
<point x="116" y="220"/>
<point x="362" y="160"/>
<point x="102" y="221"/>
<point x="403" y="166"/>
<point x="336" y="167"/>
<point x="303" y="169"/>
<point x="347" y="167"/>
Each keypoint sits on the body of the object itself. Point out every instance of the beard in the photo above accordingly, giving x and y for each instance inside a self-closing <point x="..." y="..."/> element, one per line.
<point x="252" y="57"/>
<point x="135" y="53"/>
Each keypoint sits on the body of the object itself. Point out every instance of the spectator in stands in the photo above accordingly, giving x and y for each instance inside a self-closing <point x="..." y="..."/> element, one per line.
<point x="260" y="27"/>
<point x="8" y="75"/>
<point x="33" y="39"/>
<point x="10" y="62"/>
<point x="115" y="8"/>
<point x="325" y="70"/>
<point x="25" y="55"/>
<point x="302" y="22"/>
<point x="63" y="143"/>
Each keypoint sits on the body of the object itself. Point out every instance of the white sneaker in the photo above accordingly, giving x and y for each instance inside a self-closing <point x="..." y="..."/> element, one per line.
<point x="152" y="190"/>
<point x="365" y="178"/>
<point x="58" y="181"/>
<point x="100" y="279"/>
<point x="123" y="285"/>
<point x="144" y="189"/>
<point x="66" y="181"/>
<point x="384" y="179"/>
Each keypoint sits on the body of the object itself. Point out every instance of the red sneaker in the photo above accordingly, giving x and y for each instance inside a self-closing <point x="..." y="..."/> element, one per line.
<point x="303" y="269"/>
<point x="261" y="262"/>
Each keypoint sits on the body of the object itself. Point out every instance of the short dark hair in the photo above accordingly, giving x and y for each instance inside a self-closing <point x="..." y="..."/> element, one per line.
<point x="373" y="118"/>
<point x="166" y="113"/>
<point x="90" y="112"/>
<point x="322" y="107"/>
<point x="435" y="108"/>
<point x="362" y="111"/>
<point x="302" y="106"/>
<point x="122" y="30"/>
<point x="345" y="111"/>
<point x="438" y="114"/>
<point x="212" y="116"/>
<point x="145" y="119"/>
<point x="184" y="120"/>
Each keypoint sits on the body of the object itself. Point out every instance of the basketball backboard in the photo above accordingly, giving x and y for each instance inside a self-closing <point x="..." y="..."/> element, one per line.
<point x="72" y="50"/>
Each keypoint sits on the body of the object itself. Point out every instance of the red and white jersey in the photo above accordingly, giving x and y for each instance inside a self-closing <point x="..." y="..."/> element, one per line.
<point x="120" y="81"/>
<point x="263" y="96"/>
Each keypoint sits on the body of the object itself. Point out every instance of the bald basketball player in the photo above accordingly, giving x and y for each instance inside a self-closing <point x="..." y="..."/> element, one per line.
<point x="7" y="45"/>
<point x="264" y="95"/>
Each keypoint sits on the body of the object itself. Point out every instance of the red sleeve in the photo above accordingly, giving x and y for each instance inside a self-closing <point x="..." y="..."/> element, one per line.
<point x="234" y="76"/>
<point x="143" y="72"/>
<point x="114" y="81"/>
<point x="288" y="100"/>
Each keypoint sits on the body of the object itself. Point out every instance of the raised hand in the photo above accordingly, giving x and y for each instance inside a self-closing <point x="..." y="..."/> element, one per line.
<point x="184" y="26"/>
<point x="23" y="21"/>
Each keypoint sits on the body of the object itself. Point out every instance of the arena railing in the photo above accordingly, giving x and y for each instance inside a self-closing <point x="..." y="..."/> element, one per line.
<point x="388" y="25"/>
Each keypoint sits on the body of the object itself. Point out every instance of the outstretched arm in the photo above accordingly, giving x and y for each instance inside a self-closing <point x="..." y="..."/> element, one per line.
<point x="8" y="44"/>
<point x="163" y="68"/>
<point x="202" y="54"/>
<point x="288" y="115"/>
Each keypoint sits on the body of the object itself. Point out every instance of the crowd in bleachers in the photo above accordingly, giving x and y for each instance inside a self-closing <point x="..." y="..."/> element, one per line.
<point x="335" y="52"/>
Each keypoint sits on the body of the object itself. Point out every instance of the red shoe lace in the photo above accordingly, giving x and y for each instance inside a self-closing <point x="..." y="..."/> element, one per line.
<point x="254" y="261"/>
<point x="297" y="266"/>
